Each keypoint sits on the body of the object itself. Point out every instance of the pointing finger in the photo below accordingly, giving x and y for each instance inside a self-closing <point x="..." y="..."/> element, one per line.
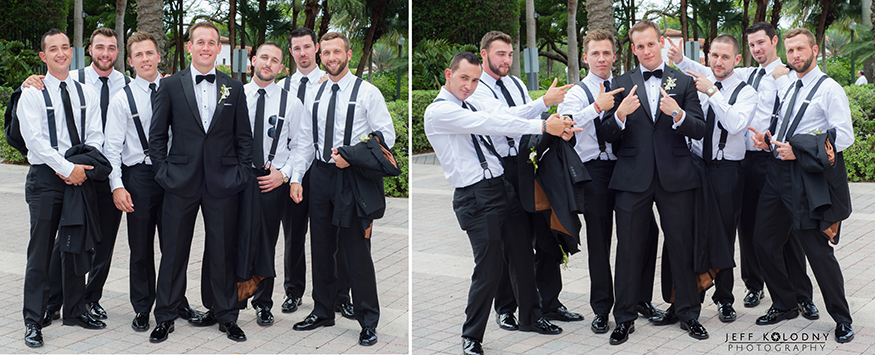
<point x="631" y="92"/>
<point x="616" y="91"/>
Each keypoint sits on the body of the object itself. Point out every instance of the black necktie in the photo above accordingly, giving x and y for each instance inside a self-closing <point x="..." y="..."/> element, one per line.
<point x="657" y="73"/>
<point x="104" y="98"/>
<point x="329" y="124"/>
<point x="68" y="111"/>
<point x="505" y="93"/>
<point x="756" y="82"/>
<point x="708" y="142"/>
<point x="154" y="95"/>
<point x="209" y="77"/>
<point x="258" y="159"/>
<point x="302" y="89"/>
<point x="787" y="115"/>
<point x="607" y="85"/>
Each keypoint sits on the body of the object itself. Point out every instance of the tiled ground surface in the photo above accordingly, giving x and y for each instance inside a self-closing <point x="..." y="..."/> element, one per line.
<point x="389" y="250"/>
<point x="442" y="265"/>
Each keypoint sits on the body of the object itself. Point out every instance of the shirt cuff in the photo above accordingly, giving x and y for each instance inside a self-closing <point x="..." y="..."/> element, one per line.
<point x="620" y="123"/>
<point x="116" y="183"/>
<point x="66" y="169"/>
<point x="588" y="112"/>
<point x="543" y="104"/>
<point x="680" y="121"/>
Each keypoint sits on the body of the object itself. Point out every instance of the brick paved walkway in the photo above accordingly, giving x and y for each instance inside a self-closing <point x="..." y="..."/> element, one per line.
<point x="389" y="250"/>
<point x="442" y="265"/>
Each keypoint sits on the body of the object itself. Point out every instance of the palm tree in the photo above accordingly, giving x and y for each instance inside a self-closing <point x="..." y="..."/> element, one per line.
<point x="150" y="19"/>
<point x="120" y="7"/>
<point x="573" y="57"/>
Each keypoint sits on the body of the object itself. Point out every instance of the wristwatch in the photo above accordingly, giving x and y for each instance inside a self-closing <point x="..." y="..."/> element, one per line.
<point x="285" y="177"/>
<point x="711" y="90"/>
<point x="675" y="113"/>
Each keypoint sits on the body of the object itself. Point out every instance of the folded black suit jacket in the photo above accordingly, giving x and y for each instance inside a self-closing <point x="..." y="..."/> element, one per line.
<point x="360" y="191"/>
<point x="650" y="147"/>
<point x="219" y="156"/>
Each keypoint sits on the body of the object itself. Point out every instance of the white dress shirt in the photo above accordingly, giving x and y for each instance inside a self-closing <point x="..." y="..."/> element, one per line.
<point x="123" y="144"/>
<point x="488" y="90"/>
<point x="861" y="80"/>
<point x="205" y="93"/>
<point x="295" y="113"/>
<point x="116" y="82"/>
<point x="583" y="111"/>
<point x="766" y="93"/>
<point x="371" y="114"/>
<point x="829" y="108"/>
<point x="734" y="118"/>
<point x="294" y="82"/>
<point x="449" y="127"/>
<point x="35" y="127"/>
<point x="651" y="87"/>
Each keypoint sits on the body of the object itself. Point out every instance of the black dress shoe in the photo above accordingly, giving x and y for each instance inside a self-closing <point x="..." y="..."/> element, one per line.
<point x="162" y="329"/>
<point x="563" y="314"/>
<point x="600" y="324"/>
<point x="695" y="329"/>
<point x="33" y="336"/>
<point x="753" y="297"/>
<point x="621" y="334"/>
<point x="233" y="331"/>
<point x="141" y="322"/>
<point x="97" y="312"/>
<point x="85" y="320"/>
<point x="774" y="316"/>
<point x="542" y="326"/>
<point x="291" y="304"/>
<point x="313" y="322"/>
<point x="204" y="320"/>
<point x="368" y="336"/>
<point x="725" y="312"/>
<point x="262" y="315"/>
<point x="471" y="346"/>
<point x="666" y="318"/>
<point x="844" y="333"/>
<point x="49" y="316"/>
<point x="345" y="310"/>
<point x="647" y="310"/>
<point x="187" y="313"/>
<point x="808" y="310"/>
<point x="507" y="321"/>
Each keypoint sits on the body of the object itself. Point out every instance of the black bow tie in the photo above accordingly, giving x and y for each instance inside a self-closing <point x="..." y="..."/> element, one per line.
<point x="657" y="73"/>
<point x="209" y="77"/>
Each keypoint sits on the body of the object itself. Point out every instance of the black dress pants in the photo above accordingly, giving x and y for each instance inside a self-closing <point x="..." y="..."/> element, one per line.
<point x="325" y="241"/>
<point x="774" y="229"/>
<point x="273" y="205"/>
<point x="44" y="193"/>
<point x="488" y="211"/>
<point x="725" y="177"/>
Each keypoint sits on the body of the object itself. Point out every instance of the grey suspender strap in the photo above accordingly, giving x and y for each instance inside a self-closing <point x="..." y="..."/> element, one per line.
<point x="288" y="85"/>
<point x="81" y="110"/>
<point x="723" y="132"/>
<point x="480" y="156"/>
<point x="795" y="123"/>
<point x="82" y="75"/>
<point x="776" y="112"/>
<point x="315" y="118"/>
<point x="752" y="76"/>
<point x="350" y="112"/>
<point x="284" y="96"/>
<point x="520" y="87"/>
<point x="510" y="142"/>
<point x="50" y="116"/>
<point x="597" y="121"/>
<point x="135" y="114"/>
<point x="127" y="80"/>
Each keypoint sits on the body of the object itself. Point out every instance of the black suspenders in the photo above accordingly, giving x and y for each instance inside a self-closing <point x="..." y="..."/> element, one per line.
<point x="350" y="114"/>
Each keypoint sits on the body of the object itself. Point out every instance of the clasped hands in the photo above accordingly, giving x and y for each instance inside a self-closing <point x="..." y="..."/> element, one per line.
<point x="759" y="141"/>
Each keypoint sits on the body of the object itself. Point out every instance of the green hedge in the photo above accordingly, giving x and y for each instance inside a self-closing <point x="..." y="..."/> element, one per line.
<point x="398" y="186"/>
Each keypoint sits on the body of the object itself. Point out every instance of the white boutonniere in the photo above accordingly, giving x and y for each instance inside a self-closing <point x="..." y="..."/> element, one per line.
<point x="364" y="138"/>
<point x="533" y="158"/>
<point x="816" y="131"/>
<point x="226" y="91"/>
<point x="670" y="83"/>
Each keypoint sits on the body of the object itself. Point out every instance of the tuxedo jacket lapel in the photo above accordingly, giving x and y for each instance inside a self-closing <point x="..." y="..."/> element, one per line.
<point x="220" y="104"/>
<point x="637" y="79"/>
<point x="188" y="90"/>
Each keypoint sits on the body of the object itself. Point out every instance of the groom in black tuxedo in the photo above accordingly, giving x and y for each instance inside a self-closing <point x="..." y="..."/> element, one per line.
<point x="651" y="120"/>
<point x="209" y="162"/>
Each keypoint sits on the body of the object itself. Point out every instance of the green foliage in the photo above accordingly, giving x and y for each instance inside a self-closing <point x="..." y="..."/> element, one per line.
<point x="862" y="100"/>
<point x="398" y="186"/>
<point x="421" y="100"/>
<point x="27" y="20"/>
<point x="861" y="48"/>
<point x="860" y="158"/>
<point x="5" y="94"/>
<point x="17" y="63"/>
<point x="387" y="82"/>
<point x="464" y="21"/>
<point x="839" y="68"/>
<point x="430" y="58"/>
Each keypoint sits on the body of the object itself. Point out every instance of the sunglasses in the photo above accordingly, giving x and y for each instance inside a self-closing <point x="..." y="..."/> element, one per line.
<point x="271" y="132"/>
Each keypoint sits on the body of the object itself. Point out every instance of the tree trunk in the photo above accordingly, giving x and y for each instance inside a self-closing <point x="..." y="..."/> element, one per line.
<point x="599" y="13"/>
<point x="573" y="63"/>
<point x="120" y="8"/>
<point x="326" y="19"/>
<point x="867" y="12"/>
<point x="262" y="7"/>
<point x="232" y="32"/>
<point x="150" y="19"/>
<point x="530" y="39"/>
<point x="685" y="30"/>
<point x="695" y="25"/>
<point x="78" y="23"/>
<point x="776" y="13"/>
<point x="760" y="15"/>
<point x="180" y="37"/>
<point x="311" y="9"/>
<point x="376" y="23"/>
<point x="745" y="23"/>
<point x="713" y="29"/>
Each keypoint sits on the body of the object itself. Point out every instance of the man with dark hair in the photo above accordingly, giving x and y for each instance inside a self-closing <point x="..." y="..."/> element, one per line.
<point x="501" y="87"/>
<point x="209" y="161"/>
<point x="344" y="107"/>
<point x="48" y="136"/>
<point x="861" y="78"/>
<point x="654" y="165"/>
<point x="303" y="47"/>
<point x="272" y="164"/>
<point x="586" y="102"/>
<point x="813" y="125"/>
<point x="729" y="104"/>
<point x="461" y="140"/>
<point x="763" y="41"/>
